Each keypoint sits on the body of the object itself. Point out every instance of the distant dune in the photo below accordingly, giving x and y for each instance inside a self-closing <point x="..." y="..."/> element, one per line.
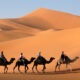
<point x="10" y="30"/>
<point x="46" y="19"/>
<point x="41" y="19"/>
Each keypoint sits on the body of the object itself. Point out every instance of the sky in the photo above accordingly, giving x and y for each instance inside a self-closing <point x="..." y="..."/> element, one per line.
<point x="18" y="8"/>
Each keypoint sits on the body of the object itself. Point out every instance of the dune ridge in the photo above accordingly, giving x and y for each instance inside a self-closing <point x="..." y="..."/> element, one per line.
<point x="54" y="19"/>
<point x="39" y="20"/>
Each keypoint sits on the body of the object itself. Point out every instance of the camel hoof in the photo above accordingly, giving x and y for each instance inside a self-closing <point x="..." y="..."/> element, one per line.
<point x="37" y="71"/>
<point x="44" y="72"/>
<point x="25" y="72"/>
<point x="71" y="70"/>
<point x="5" y="72"/>
<point x="54" y="71"/>
<point x="33" y="72"/>
<point x="21" y="72"/>
<point x="13" y="72"/>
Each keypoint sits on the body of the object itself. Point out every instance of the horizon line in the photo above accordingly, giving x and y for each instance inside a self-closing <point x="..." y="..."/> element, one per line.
<point x="42" y="8"/>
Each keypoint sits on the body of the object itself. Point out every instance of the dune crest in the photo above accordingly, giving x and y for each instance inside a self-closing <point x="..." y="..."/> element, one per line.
<point x="51" y="19"/>
<point x="40" y="20"/>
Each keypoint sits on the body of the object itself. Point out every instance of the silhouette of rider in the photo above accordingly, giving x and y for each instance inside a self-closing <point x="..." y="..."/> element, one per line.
<point x="22" y="57"/>
<point x="39" y="54"/>
<point x="3" y="57"/>
<point x="63" y="56"/>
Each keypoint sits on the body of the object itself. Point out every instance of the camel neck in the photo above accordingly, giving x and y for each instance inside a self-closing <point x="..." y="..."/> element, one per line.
<point x="49" y="61"/>
<point x="30" y="61"/>
<point x="74" y="60"/>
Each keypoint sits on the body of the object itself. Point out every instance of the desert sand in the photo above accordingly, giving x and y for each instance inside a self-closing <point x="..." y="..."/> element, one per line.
<point x="48" y="31"/>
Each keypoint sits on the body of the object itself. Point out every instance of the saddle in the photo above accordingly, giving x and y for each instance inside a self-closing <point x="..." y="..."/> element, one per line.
<point x="40" y="59"/>
<point x="3" y="59"/>
<point x="21" y="60"/>
<point x="66" y="59"/>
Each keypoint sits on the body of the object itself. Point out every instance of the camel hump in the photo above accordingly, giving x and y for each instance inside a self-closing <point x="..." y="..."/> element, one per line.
<point x="22" y="60"/>
<point x="3" y="59"/>
<point x="67" y="58"/>
<point x="41" y="58"/>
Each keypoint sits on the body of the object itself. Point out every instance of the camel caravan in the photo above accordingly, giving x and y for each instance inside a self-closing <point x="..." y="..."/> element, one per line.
<point x="40" y="60"/>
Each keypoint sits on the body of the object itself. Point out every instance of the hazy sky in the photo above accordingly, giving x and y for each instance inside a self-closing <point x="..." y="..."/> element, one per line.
<point x="17" y="8"/>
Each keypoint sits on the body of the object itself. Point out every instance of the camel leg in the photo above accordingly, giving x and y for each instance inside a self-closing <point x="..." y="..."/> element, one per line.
<point x="14" y="67"/>
<point x="26" y="69"/>
<point x="19" y="68"/>
<point x="44" y="67"/>
<point x="36" y="69"/>
<point x="33" y="68"/>
<point x="70" y="67"/>
<point x="6" y="69"/>
<point x="66" y="67"/>
<point x="59" y="67"/>
<point x="56" y="67"/>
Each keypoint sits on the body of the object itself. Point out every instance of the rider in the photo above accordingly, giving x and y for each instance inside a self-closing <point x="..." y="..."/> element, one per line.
<point x="3" y="57"/>
<point x="39" y="54"/>
<point x="63" y="56"/>
<point x="21" y="57"/>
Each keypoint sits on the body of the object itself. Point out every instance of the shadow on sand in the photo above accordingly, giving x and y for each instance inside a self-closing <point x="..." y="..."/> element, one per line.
<point x="77" y="70"/>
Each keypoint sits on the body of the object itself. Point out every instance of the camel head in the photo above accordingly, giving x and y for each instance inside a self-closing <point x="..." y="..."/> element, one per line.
<point x="33" y="58"/>
<point x="77" y="57"/>
<point x="52" y="58"/>
<point x="73" y="60"/>
<point x="12" y="59"/>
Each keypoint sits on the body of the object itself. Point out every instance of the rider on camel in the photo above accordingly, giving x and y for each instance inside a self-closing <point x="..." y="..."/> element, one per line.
<point x="3" y="57"/>
<point x="22" y="57"/>
<point x="39" y="54"/>
<point x="63" y="56"/>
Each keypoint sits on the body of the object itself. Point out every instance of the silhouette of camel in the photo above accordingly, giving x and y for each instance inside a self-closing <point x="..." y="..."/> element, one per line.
<point x="2" y="63"/>
<point x="23" y="63"/>
<point x="67" y="62"/>
<point x="41" y="61"/>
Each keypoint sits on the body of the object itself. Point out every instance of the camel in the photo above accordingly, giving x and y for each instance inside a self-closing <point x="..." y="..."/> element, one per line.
<point x="23" y="63"/>
<point x="2" y="63"/>
<point x="67" y="62"/>
<point x="41" y="61"/>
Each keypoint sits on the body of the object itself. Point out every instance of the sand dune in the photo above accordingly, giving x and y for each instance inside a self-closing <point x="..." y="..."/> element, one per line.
<point x="55" y="19"/>
<point x="49" y="42"/>
<point x="10" y="30"/>
<point x="31" y="24"/>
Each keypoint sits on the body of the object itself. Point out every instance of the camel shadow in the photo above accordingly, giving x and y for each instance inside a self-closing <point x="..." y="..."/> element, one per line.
<point x="77" y="70"/>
